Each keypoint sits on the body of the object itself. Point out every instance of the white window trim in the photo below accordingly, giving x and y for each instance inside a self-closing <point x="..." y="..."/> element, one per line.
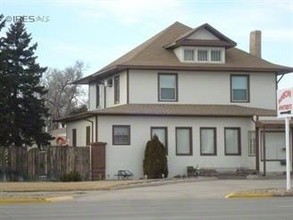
<point x="209" y="49"/>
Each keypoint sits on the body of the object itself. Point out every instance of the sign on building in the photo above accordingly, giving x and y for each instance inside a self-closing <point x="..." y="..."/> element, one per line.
<point x="285" y="103"/>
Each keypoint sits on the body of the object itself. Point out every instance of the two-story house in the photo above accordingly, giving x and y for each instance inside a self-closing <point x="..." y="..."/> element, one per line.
<point x="192" y="88"/>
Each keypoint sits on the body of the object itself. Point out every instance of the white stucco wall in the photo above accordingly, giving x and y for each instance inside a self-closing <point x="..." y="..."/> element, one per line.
<point x="80" y="127"/>
<point x="202" y="88"/>
<point x="131" y="157"/>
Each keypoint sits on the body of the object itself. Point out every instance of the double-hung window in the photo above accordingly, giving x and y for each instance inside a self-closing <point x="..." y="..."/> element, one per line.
<point x="188" y="55"/>
<point x="216" y="55"/>
<point x="184" y="141"/>
<point x="232" y="141"/>
<point x="208" y="141"/>
<point x="121" y="135"/>
<point x="202" y="55"/>
<point x="168" y="87"/>
<point x="239" y="88"/>
<point x="161" y="133"/>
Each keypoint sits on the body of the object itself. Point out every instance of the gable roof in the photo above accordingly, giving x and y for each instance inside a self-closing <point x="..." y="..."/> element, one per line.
<point x="175" y="110"/>
<point x="184" y="41"/>
<point x="152" y="54"/>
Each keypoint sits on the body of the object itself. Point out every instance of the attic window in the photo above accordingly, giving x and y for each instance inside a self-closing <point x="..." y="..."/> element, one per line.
<point x="188" y="55"/>
<point x="216" y="55"/>
<point x="202" y="55"/>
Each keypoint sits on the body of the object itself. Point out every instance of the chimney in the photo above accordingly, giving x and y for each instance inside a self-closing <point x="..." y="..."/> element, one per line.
<point x="255" y="43"/>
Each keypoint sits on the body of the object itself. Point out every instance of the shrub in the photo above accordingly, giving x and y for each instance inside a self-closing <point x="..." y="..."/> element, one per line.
<point x="73" y="176"/>
<point x="155" y="159"/>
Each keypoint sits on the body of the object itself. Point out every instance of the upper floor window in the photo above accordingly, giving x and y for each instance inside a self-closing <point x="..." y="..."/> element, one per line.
<point x="116" y="90"/>
<point x="188" y="55"/>
<point x="239" y="88"/>
<point x="203" y="55"/>
<point x="216" y="55"/>
<point x="168" y="87"/>
<point x="98" y="96"/>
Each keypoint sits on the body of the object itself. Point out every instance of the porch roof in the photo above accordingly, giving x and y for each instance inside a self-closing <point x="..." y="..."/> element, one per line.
<point x="175" y="110"/>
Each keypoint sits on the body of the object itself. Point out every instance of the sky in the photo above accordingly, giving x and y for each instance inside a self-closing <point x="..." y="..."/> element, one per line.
<point x="98" y="32"/>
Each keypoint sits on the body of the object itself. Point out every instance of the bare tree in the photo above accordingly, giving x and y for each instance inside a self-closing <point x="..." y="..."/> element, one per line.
<point x="63" y="97"/>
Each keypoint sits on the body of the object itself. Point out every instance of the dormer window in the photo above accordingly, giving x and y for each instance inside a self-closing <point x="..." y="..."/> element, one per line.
<point x="188" y="55"/>
<point x="201" y="54"/>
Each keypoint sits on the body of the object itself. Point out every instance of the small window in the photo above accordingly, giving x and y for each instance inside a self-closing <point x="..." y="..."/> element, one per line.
<point x="121" y="135"/>
<point x="74" y="137"/>
<point x="98" y="96"/>
<point x="208" y="141"/>
<point x="232" y="141"/>
<point x="240" y="88"/>
<point x="184" y="141"/>
<point x="251" y="143"/>
<point x="88" y="135"/>
<point x="202" y="55"/>
<point x="161" y="133"/>
<point x="116" y="89"/>
<point x="167" y="87"/>
<point x="189" y="55"/>
<point x="216" y="55"/>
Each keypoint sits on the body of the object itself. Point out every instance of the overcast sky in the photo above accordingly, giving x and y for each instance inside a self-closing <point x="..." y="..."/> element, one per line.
<point x="98" y="32"/>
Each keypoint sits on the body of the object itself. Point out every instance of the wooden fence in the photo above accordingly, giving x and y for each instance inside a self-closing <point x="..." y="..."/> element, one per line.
<point x="19" y="164"/>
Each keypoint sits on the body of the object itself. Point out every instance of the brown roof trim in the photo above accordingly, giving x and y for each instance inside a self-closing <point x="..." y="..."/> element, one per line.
<point x="272" y="124"/>
<point x="172" y="110"/>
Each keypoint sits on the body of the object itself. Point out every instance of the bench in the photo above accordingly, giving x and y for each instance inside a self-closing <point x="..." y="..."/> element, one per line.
<point x="124" y="174"/>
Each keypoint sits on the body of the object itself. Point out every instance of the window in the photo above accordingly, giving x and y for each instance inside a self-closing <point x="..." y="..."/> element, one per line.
<point x="239" y="88"/>
<point x="168" y="87"/>
<point x="188" y="55"/>
<point x="98" y="96"/>
<point x="232" y="141"/>
<point x="161" y="133"/>
<point x="74" y="137"/>
<point x="202" y="55"/>
<point x="116" y="89"/>
<point x="216" y="55"/>
<point x="208" y="141"/>
<point x="251" y="143"/>
<point x="121" y="135"/>
<point x="183" y="141"/>
<point x="88" y="135"/>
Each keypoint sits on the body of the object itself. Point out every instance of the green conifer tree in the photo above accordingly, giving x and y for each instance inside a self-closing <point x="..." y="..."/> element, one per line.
<point x="155" y="159"/>
<point x="22" y="107"/>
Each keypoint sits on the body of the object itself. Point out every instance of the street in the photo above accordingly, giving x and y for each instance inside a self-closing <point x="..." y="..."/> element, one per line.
<point x="195" y="200"/>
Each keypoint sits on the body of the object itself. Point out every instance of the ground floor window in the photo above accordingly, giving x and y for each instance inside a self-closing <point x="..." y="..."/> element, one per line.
<point x="183" y="141"/>
<point x="121" y="135"/>
<point x="232" y="141"/>
<point x="208" y="141"/>
<point x="161" y="133"/>
<point x="74" y="137"/>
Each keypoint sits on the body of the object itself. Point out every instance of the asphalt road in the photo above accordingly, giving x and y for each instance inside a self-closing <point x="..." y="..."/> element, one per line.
<point x="197" y="200"/>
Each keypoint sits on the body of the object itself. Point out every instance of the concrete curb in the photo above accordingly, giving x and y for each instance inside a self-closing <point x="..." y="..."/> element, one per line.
<point x="247" y="195"/>
<point x="34" y="200"/>
<point x="59" y="199"/>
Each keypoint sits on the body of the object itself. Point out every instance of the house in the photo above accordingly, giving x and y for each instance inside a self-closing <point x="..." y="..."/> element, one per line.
<point x="209" y="103"/>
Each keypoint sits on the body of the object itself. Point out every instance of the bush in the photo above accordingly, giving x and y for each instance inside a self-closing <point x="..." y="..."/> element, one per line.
<point x="155" y="159"/>
<point x="73" y="176"/>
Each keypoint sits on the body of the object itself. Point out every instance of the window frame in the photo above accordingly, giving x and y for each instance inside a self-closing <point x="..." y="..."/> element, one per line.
<point x="113" y="134"/>
<point x="247" y="92"/>
<point x="98" y="94"/>
<point x="176" y="87"/>
<point x="74" y="137"/>
<point x="166" y="135"/>
<point x="190" y="141"/>
<point x="214" y="129"/>
<point x="117" y="89"/>
<point x="238" y="129"/>
<point x="88" y="135"/>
